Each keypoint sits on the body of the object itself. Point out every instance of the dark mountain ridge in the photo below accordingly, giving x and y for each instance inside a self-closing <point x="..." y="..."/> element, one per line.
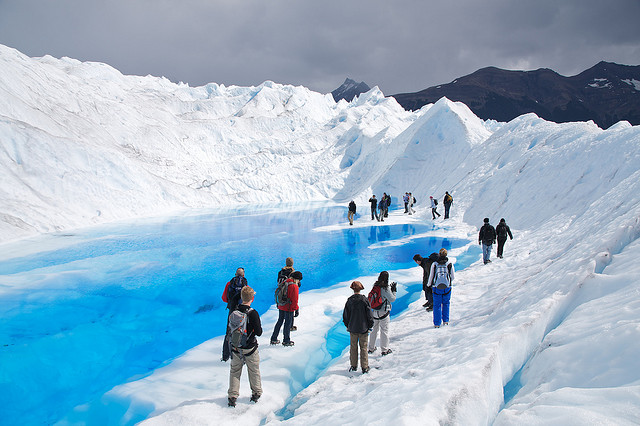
<point x="349" y="90"/>
<point x="605" y="93"/>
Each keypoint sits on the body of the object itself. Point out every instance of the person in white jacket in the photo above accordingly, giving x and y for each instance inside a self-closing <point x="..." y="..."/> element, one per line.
<point x="380" y="298"/>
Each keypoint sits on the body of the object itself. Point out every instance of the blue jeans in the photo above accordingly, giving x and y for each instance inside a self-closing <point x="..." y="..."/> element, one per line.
<point x="486" y="252"/>
<point x="441" y="299"/>
<point x="286" y="318"/>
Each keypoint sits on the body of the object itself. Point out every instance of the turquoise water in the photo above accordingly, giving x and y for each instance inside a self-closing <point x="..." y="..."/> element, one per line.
<point x="116" y="302"/>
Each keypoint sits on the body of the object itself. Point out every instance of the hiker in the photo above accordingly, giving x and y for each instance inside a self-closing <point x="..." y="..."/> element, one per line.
<point x="246" y="352"/>
<point x="502" y="230"/>
<point x="434" y="208"/>
<point x="286" y="310"/>
<point x="387" y="203"/>
<point x="486" y="237"/>
<point x="352" y="212"/>
<point x="405" y="198"/>
<point x="374" y="207"/>
<point x="358" y="319"/>
<point x="447" y="201"/>
<point x="440" y="278"/>
<point x="231" y="296"/>
<point x="425" y="264"/>
<point x="380" y="298"/>
<point x="412" y="201"/>
<point x="381" y="206"/>
<point x="283" y="274"/>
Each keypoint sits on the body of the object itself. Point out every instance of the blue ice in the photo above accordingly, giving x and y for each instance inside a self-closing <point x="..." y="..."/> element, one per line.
<point x="114" y="303"/>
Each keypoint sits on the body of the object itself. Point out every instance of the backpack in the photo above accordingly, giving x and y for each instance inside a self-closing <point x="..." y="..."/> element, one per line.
<point x="281" y="292"/>
<point x="233" y="291"/>
<point x="375" y="298"/>
<point x="237" y="330"/>
<point x="435" y="202"/>
<point x="442" y="279"/>
<point x="502" y="230"/>
<point x="414" y="200"/>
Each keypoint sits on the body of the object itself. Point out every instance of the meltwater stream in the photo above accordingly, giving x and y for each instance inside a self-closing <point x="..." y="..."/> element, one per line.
<point x="111" y="304"/>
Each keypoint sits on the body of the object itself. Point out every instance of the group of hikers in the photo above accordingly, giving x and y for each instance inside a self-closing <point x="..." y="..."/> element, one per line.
<point x="365" y="318"/>
<point x="380" y="207"/>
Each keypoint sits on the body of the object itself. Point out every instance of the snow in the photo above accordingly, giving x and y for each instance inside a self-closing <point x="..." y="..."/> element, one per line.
<point x="633" y="82"/>
<point x="549" y="334"/>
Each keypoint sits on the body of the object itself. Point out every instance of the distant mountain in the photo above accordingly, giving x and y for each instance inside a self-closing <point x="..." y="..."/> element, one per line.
<point x="605" y="93"/>
<point x="349" y="90"/>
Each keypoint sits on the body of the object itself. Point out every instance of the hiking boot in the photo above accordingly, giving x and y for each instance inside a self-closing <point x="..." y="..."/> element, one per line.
<point x="293" y="328"/>
<point x="275" y="342"/>
<point x="436" y="326"/>
<point x="387" y="352"/>
<point x="372" y="350"/>
<point x="352" y="368"/>
<point x="255" y="397"/>
<point x="445" y="323"/>
<point x="232" y="402"/>
<point x="365" y="370"/>
<point x="290" y="343"/>
<point x="223" y="359"/>
<point x="429" y="308"/>
<point x="426" y="305"/>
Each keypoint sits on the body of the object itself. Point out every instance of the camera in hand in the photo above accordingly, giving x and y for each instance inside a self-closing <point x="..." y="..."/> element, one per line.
<point x="394" y="286"/>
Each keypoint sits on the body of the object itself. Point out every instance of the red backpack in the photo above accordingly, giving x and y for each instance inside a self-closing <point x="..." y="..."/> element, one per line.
<point x="375" y="298"/>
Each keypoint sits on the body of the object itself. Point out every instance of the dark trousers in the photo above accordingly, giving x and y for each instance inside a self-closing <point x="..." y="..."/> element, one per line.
<point x="501" y="242"/>
<point x="446" y="210"/>
<point x="286" y="318"/>
<point x="374" y="212"/>
<point x="428" y="294"/>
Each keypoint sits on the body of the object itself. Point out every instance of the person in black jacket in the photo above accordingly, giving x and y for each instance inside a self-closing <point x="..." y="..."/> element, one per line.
<point x="358" y="319"/>
<point x="425" y="264"/>
<point x="374" y="207"/>
<point x="352" y="211"/>
<point x="248" y="353"/>
<point x="502" y="230"/>
<point x="486" y="237"/>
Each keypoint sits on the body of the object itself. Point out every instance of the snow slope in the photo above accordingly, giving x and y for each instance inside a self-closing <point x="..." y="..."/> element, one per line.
<point x="547" y="335"/>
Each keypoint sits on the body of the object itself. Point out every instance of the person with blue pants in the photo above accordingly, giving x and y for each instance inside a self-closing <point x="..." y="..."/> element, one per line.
<point x="440" y="278"/>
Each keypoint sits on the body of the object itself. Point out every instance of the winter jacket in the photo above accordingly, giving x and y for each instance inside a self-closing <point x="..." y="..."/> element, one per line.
<point x="357" y="315"/>
<point x="502" y="230"/>
<point x="442" y="261"/>
<point x="374" y="203"/>
<point x="232" y="304"/>
<point x="254" y="326"/>
<point x="388" y="297"/>
<point x="292" y="297"/>
<point x="448" y="200"/>
<point x="487" y="234"/>
<point x="425" y="263"/>
<point x="285" y="273"/>
<point x="352" y="207"/>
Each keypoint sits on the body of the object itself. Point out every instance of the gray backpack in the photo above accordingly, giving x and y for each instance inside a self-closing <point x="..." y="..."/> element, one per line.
<point x="442" y="279"/>
<point x="237" y="329"/>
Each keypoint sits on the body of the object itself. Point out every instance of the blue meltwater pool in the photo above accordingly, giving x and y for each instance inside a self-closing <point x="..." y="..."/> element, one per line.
<point x="88" y="310"/>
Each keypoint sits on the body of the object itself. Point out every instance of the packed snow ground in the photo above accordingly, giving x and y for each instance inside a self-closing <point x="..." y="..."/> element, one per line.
<point x="554" y="326"/>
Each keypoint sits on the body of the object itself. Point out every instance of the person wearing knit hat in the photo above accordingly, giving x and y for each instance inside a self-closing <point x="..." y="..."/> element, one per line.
<point x="486" y="237"/>
<point x="502" y="230"/>
<point x="287" y="309"/>
<point x="358" y="319"/>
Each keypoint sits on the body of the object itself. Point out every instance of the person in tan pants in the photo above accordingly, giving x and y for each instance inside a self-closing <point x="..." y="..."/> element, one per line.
<point x="358" y="319"/>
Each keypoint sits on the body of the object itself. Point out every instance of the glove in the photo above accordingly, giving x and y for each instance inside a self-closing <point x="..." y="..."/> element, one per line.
<point x="296" y="313"/>
<point x="394" y="286"/>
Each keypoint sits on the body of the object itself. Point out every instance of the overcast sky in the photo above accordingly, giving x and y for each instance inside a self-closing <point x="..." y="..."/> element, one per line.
<point x="398" y="45"/>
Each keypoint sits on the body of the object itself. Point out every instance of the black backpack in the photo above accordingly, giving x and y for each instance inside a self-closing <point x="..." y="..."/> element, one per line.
<point x="233" y="292"/>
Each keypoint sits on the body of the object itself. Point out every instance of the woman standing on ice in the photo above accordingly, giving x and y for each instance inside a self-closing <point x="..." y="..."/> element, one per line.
<point x="358" y="320"/>
<point x="440" y="278"/>
<point x="380" y="299"/>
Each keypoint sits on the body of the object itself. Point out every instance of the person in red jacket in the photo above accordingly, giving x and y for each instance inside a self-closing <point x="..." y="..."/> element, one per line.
<point x="287" y="310"/>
